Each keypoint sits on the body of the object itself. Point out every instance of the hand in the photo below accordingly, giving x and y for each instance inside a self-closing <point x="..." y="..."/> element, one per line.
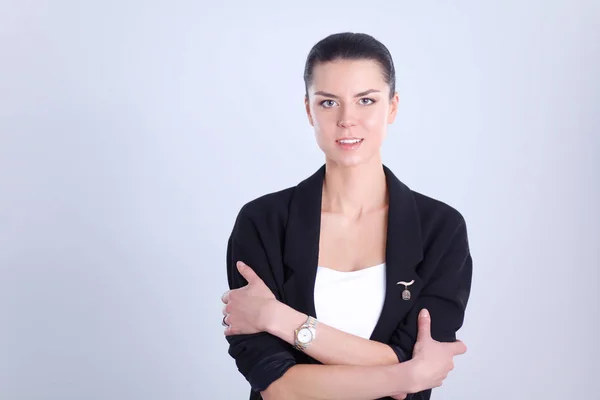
<point x="246" y="309"/>
<point x="432" y="360"/>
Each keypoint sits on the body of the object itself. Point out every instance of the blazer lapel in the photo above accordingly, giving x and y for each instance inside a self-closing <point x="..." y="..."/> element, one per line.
<point x="403" y="250"/>
<point x="301" y="245"/>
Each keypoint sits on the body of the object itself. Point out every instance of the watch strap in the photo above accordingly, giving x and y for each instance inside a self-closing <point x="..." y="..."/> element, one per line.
<point x="310" y="323"/>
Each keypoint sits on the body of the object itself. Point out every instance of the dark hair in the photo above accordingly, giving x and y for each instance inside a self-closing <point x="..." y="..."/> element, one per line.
<point x="350" y="46"/>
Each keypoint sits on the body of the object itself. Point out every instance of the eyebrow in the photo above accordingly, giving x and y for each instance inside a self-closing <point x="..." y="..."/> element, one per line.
<point x="361" y="94"/>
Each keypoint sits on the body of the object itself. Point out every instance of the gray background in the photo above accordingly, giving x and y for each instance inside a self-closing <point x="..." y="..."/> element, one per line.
<point x="131" y="132"/>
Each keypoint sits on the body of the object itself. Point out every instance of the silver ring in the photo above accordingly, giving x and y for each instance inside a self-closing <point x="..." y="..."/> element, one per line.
<point x="223" y="322"/>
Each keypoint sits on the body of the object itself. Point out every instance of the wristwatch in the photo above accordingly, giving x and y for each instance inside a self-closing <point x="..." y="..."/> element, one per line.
<point x="305" y="334"/>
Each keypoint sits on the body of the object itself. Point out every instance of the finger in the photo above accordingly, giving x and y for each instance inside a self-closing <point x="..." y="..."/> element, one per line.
<point x="424" y="325"/>
<point x="459" y="347"/>
<point x="229" y="330"/>
<point x="225" y="297"/>
<point x="247" y="272"/>
<point x="225" y="310"/>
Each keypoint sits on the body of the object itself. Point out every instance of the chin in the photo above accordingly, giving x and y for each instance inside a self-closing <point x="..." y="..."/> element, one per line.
<point x="349" y="158"/>
<point x="347" y="161"/>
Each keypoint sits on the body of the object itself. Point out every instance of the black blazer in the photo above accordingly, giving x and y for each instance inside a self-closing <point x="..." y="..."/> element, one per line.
<point x="278" y="236"/>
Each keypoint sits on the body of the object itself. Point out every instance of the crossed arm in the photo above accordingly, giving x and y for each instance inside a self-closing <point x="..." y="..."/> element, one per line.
<point x="355" y="368"/>
<point x="347" y="358"/>
<point x="262" y="330"/>
<point x="332" y="346"/>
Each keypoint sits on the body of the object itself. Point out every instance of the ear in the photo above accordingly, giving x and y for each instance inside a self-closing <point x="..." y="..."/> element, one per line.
<point x="393" y="108"/>
<point x="308" y="114"/>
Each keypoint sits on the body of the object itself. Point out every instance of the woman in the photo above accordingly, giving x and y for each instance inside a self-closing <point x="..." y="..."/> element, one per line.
<point x="348" y="285"/>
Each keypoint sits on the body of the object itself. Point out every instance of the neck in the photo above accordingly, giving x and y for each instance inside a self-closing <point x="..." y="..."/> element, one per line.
<point x="355" y="190"/>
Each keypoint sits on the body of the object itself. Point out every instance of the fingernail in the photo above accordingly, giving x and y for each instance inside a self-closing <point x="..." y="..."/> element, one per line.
<point x="424" y="313"/>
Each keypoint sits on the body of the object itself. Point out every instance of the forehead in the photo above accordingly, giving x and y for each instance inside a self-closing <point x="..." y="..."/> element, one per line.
<point x="348" y="75"/>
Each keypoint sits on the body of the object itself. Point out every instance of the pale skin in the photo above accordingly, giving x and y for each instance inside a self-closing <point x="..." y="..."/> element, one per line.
<point x="347" y="99"/>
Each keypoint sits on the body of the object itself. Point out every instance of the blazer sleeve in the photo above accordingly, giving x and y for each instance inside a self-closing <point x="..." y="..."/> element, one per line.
<point x="261" y="358"/>
<point x="445" y="294"/>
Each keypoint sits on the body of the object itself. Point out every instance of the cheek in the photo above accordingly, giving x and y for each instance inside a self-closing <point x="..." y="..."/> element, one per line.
<point x="325" y="124"/>
<point x="375" y="122"/>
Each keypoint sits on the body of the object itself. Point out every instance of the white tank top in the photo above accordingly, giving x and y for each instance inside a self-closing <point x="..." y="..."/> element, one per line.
<point x="350" y="301"/>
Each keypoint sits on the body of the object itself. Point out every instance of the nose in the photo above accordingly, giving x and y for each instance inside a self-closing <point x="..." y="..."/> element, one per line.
<point x="346" y="119"/>
<point x="346" y="124"/>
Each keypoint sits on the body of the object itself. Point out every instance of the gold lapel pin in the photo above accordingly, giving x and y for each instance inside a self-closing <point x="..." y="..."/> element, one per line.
<point x="406" y="292"/>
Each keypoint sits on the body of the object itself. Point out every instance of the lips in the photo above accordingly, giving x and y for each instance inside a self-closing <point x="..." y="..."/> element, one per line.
<point x="349" y="143"/>
<point x="349" y="140"/>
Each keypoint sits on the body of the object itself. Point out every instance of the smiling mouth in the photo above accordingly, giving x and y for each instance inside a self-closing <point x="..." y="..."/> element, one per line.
<point x="349" y="144"/>
<point x="349" y="141"/>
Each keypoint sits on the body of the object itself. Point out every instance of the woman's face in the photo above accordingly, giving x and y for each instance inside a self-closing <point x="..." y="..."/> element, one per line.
<point x="349" y="106"/>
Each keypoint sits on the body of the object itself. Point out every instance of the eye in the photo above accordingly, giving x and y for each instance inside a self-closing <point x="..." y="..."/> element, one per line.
<point x="327" y="103"/>
<point x="365" y="101"/>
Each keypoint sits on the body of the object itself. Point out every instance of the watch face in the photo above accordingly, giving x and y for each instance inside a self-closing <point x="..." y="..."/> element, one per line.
<point x="304" y="335"/>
